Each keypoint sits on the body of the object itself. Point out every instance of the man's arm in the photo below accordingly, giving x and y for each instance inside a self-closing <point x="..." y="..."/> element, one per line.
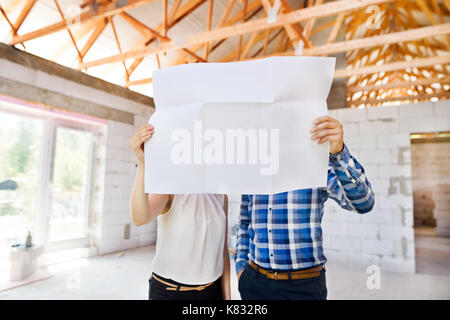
<point x="347" y="183"/>
<point x="242" y="237"/>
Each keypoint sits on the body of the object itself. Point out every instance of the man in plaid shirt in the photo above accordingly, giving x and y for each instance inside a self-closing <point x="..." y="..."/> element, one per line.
<point x="279" y="252"/>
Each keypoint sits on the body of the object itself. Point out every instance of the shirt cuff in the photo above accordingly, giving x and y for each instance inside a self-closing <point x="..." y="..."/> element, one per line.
<point x="240" y="266"/>
<point x="341" y="158"/>
<point x="345" y="161"/>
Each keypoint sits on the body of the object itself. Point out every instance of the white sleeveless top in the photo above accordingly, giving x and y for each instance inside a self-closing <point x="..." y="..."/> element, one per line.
<point x="190" y="239"/>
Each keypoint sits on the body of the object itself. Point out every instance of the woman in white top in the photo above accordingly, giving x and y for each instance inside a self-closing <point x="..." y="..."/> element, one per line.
<point x="191" y="260"/>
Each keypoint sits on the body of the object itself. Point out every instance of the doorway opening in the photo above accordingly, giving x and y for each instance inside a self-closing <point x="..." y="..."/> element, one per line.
<point x="430" y="165"/>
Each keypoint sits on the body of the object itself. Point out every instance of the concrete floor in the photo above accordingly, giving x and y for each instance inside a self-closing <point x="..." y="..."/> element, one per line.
<point x="125" y="277"/>
<point x="432" y="255"/>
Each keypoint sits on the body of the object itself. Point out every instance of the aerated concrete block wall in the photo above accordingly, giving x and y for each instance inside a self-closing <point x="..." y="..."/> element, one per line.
<point x="379" y="138"/>
<point x="431" y="184"/>
<point x="119" y="173"/>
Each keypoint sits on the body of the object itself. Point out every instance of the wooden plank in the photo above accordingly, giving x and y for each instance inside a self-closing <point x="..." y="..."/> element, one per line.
<point x="56" y="100"/>
<point x="37" y="63"/>
<point x="343" y="46"/>
<point x="310" y="23"/>
<point x="397" y="84"/>
<point x="208" y="28"/>
<point x="336" y="27"/>
<point x="138" y="82"/>
<point x="244" y="14"/>
<point x="68" y="29"/>
<point x="424" y="62"/>
<point x="116" y="38"/>
<point x="165" y="18"/>
<point x="104" y="11"/>
<point x="176" y="14"/>
<point x="375" y="41"/>
<point x="93" y="37"/>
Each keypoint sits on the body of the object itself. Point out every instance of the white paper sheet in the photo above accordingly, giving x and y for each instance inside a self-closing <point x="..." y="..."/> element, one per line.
<point x="218" y="127"/>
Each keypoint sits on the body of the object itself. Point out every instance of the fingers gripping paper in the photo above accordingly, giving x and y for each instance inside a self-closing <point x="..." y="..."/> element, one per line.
<point x="240" y="127"/>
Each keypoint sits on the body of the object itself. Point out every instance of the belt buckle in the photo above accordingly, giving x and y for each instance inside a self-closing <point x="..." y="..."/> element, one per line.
<point x="275" y="274"/>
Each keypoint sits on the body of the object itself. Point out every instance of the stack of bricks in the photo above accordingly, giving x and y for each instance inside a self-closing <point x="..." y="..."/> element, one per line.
<point x="441" y="212"/>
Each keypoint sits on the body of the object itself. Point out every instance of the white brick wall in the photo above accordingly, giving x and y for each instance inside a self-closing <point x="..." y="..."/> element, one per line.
<point x="114" y="163"/>
<point x="379" y="137"/>
<point x="120" y="170"/>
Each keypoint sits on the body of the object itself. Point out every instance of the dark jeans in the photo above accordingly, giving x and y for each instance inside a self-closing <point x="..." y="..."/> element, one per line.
<point x="255" y="286"/>
<point x="157" y="291"/>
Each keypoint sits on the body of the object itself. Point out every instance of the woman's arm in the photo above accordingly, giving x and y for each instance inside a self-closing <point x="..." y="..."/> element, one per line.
<point x="144" y="207"/>
<point x="226" y="291"/>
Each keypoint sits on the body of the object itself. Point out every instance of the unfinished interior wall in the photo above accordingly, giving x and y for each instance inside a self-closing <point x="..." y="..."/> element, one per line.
<point x="379" y="137"/>
<point x="27" y="77"/>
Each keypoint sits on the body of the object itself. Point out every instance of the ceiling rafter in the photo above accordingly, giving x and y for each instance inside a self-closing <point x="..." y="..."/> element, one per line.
<point x="103" y="11"/>
<point x="402" y="55"/>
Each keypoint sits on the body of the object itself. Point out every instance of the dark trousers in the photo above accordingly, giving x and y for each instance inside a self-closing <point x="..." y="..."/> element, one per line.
<point x="255" y="286"/>
<point x="158" y="291"/>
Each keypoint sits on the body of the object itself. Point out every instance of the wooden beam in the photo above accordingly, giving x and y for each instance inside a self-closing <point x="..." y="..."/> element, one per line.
<point x="336" y="27"/>
<point x="389" y="38"/>
<point x="343" y="46"/>
<point x="116" y="38"/>
<point x="104" y="11"/>
<point x="294" y="31"/>
<point x="138" y="82"/>
<point x="176" y="14"/>
<point x="208" y="28"/>
<point x="68" y="30"/>
<point x="13" y="28"/>
<point x="324" y="10"/>
<point x="392" y="99"/>
<point x="397" y="84"/>
<point x="23" y="14"/>
<point x="424" y="8"/>
<point x="424" y="62"/>
<point x="93" y="37"/>
<point x="143" y="28"/>
<point x="375" y="41"/>
<point x="310" y="23"/>
<point x="165" y="18"/>
<point x="244" y="14"/>
<point x="181" y="58"/>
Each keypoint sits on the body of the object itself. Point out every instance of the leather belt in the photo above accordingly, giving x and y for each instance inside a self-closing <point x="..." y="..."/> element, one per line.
<point x="288" y="275"/>
<point x="174" y="287"/>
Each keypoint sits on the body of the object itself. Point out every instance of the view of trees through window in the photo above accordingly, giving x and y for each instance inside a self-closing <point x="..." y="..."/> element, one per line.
<point x="22" y="141"/>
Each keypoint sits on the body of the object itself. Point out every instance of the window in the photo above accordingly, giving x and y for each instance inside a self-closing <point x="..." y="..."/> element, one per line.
<point x="45" y="177"/>
<point x="20" y="144"/>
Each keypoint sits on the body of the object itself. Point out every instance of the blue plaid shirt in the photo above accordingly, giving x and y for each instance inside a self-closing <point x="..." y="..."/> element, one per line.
<point x="283" y="231"/>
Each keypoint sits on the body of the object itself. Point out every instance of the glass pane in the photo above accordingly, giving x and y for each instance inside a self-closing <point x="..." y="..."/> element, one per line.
<point x="70" y="184"/>
<point x="19" y="149"/>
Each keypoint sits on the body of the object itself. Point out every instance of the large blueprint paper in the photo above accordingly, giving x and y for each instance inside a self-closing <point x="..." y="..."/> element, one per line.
<point x="240" y="127"/>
